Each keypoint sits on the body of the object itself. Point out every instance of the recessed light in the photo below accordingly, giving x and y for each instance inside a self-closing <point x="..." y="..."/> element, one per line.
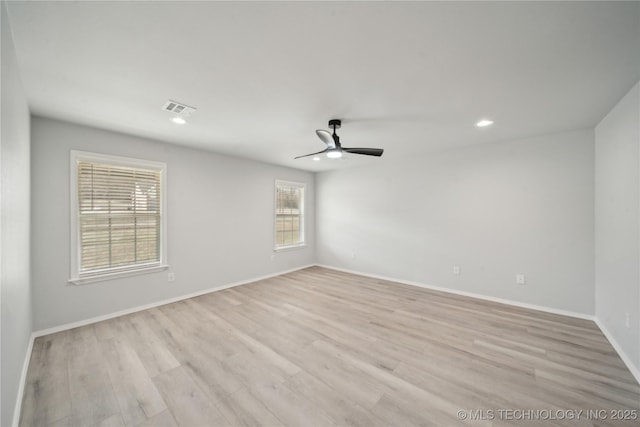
<point x="316" y="159"/>
<point x="334" y="154"/>
<point x="178" y="120"/>
<point x="484" y="122"/>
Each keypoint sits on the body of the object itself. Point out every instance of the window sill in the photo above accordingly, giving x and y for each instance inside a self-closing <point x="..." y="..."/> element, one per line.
<point x="290" y="248"/>
<point x="116" y="275"/>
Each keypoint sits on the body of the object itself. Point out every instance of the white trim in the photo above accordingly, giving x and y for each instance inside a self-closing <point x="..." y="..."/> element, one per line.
<point x="468" y="294"/>
<point x="290" y="183"/>
<point x="129" y="162"/>
<point x="290" y="247"/>
<point x="96" y="319"/>
<point x="76" y="156"/>
<point x="23" y="381"/>
<point x="116" y="275"/>
<point x="635" y="371"/>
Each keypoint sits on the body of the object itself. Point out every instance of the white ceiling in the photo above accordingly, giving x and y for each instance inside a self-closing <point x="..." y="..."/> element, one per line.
<point x="407" y="77"/>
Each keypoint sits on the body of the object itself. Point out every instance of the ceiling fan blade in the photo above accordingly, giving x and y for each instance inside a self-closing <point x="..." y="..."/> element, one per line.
<point x="312" y="154"/>
<point x="366" y="151"/>
<point x="326" y="137"/>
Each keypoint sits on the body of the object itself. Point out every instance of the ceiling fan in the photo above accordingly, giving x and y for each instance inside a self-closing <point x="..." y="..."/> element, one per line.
<point x="334" y="150"/>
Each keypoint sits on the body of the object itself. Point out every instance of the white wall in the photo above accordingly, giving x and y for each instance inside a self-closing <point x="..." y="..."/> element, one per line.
<point x="494" y="210"/>
<point x="15" y="291"/>
<point x="220" y="223"/>
<point x="617" y="224"/>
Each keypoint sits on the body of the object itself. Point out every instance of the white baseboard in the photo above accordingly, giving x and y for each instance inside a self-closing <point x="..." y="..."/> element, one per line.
<point x="467" y="294"/>
<point x="23" y="381"/>
<point x="96" y="319"/>
<point x="635" y="370"/>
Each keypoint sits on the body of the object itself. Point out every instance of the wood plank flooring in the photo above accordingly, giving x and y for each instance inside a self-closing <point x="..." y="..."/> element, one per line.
<point x="323" y="348"/>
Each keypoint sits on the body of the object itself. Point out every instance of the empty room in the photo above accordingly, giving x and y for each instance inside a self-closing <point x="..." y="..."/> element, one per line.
<point x="363" y="213"/>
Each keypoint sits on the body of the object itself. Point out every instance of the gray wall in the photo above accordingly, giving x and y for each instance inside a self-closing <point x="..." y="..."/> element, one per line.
<point x="15" y="291"/>
<point x="617" y="218"/>
<point x="494" y="210"/>
<point x="220" y="223"/>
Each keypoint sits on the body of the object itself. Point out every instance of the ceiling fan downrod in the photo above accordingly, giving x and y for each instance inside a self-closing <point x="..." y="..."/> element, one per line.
<point x="335" y="124"/>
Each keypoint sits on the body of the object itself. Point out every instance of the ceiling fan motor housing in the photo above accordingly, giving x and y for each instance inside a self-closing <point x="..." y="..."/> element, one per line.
<point x="335" y="122"/>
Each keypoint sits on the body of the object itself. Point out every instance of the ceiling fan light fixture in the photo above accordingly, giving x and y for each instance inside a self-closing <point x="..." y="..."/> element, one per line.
<point x="334" y="148"/>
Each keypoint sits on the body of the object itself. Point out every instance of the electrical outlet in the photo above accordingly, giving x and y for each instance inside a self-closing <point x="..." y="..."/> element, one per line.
<point x="171" y="277"/>
<point x="456" y="270"/>
<point x="520" y="279"/>
<point x="627" y="320"/>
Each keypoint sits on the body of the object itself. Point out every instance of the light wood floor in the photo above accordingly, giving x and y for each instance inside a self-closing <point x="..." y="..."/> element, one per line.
<point x="322" y="348"/>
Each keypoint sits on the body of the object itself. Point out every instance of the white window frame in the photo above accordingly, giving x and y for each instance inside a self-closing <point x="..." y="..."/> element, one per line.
<point x="303" y="221"/>
<point x="82" y="156"/>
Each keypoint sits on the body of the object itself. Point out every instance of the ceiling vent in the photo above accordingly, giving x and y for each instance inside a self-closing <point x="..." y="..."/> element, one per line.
<point x="178" y="108"/>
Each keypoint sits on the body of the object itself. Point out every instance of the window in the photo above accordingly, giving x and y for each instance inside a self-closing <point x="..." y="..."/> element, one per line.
<point x="117" y="216"/>
<point x="289" y="226"/>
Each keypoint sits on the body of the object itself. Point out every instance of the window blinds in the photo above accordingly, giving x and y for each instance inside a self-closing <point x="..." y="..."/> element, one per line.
<point x="289" y="219"/>
<point x="119" y="217"/>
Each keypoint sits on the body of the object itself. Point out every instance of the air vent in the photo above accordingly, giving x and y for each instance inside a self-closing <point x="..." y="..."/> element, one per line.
<point x="178" y="108"/>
